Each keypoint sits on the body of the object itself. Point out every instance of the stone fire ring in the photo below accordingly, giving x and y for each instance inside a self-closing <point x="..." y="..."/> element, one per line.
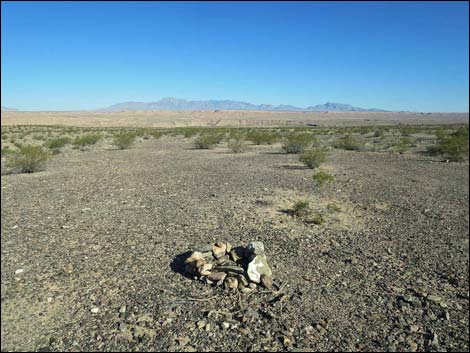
<point x="241" y="268"/>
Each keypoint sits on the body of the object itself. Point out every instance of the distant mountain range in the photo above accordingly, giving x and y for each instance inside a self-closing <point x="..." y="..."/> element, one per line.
<point x="183" y="104"/>
<point x="6" y="109"/>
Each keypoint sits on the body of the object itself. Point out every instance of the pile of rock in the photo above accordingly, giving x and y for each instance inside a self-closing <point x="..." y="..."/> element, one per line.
<point x="233" y="267"/>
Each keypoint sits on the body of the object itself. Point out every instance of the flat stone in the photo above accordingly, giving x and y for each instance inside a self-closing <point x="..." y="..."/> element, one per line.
<point x="20" y="270"/>
<point x="232" y="269"/>
<point x="216" y="276"/>
<point x="258" y="266"/>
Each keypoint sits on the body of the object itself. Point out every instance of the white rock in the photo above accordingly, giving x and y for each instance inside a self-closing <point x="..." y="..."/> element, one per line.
<point x="258" y="266"/>
<point x="18" y="271"/>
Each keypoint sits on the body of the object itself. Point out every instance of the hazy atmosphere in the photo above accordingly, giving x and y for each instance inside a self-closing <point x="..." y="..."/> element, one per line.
<point x="393" y="56"/>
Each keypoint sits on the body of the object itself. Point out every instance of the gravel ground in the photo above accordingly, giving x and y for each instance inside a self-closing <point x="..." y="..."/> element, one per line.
<point x="98" y="236"/>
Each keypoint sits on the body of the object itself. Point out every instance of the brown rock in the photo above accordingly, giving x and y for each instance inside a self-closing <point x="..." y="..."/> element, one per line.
<point x="216" y="276"/>
<point x="231" y="283"/>
<point x="218" y="250"/>
<point x="267" y="281"/>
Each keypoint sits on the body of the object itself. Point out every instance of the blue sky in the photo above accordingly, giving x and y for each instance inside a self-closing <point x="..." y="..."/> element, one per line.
<point x="86" y="55"/>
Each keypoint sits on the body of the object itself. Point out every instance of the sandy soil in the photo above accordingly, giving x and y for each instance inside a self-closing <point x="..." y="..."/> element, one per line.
<point x="100" y="229"/>
<point x="224" y="118"/>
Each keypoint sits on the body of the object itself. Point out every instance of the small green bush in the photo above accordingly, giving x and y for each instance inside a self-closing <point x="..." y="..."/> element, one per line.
<point x="332" y="207"/>
<point x="207" y="141"/>
<point x="261" y="137"/>
<point x="297" y="143"/>
<point x="301" y="208"/>
<point x="322" y="177"/>
<point x="316" y="219"/>
<point x="57" y="142"/>
<point x="455" y="146"/>
<point x="236" y="145"/>
<point x="313" y="158"/>
<point x="349" y="143"/>
<point x="124" y="140"/>
<point x="28" y="159"/>
<point x="86" y="140"/>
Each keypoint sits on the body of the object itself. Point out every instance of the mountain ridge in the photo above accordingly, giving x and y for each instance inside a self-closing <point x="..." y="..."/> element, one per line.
<point x="171" y="103"/>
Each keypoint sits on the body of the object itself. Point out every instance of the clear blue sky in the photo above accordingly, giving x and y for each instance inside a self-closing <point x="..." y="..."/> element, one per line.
<point x="86" y="55"/>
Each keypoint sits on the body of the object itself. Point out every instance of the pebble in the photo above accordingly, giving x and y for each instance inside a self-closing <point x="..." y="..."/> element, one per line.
<point x="18" y="271"/>
<point x="225" y="325"/>
<point x="95" y="310"/>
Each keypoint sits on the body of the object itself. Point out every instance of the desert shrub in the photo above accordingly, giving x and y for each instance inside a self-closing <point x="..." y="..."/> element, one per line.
<point x="236" y="145"/>
<point x="297" y="143"/>
<point x="301" y="208"/>
<point x="28" y="159"/>
<point x="206" y="141"/>
<point x="86" y="140"/>
<point x="379" y="133"/>
<point x="349" y="143"/>
<point x="455" y="146"/>
<point x="155" y="134"/>
<point x="316" y="219"/>
<point x="332" y="207"/>
<point x="313" y="158"/>
<point x="124" y="140"/>
<point x="322" y="177"/>
<point x="57" y="142"/>
<point x="6" y="150"/>
<point x="261" y="137"/>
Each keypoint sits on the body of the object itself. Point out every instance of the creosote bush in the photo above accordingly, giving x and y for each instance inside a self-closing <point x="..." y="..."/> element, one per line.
<point x="57" y="143"/>
<point x="86" y="140"/>
<point x="297" y="143"/>
<point x="301" y="208"/>
<point x="322" y="177"/>
<point x="236" y="145"/>
<point x="349" y="143"/>
<point x="206" y="141"/>
<point x="124" y="140"/>
<point x="313" y="158"/>
<point x="28" y="159"/>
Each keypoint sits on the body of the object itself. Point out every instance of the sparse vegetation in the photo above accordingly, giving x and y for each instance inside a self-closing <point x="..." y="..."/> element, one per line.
<point x="297" y="143"/>
<point x="316" y="219"/>
<point x="349" y="143"/>
<point x="28" y="159"/>
<point x="322" y="177"/>
<point x="124" y="140"/>
<point x="301" y="208"/>
<point x="57" y="143"/>
<point x="236" y="145"/>
<point x="86" y="140"/>
<point x="454" y="146"/>
<point x="313" y="158"/>
<point x="207" y="141"/>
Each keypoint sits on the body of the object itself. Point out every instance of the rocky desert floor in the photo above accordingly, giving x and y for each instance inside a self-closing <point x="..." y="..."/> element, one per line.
<point x="91" y="251"/>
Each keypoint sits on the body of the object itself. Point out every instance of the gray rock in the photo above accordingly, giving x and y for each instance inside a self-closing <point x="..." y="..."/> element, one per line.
<point x="230" y="269"/>
<point x="255" y="248"/>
